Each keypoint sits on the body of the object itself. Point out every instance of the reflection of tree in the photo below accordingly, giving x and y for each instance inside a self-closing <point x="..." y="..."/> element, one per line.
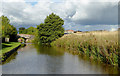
<point x="23" y="45"/>
<point x="52" y="51"/>
<point x="12" y="57"/>
<point x="53" y="59"/>
<point x="54" y="65"/>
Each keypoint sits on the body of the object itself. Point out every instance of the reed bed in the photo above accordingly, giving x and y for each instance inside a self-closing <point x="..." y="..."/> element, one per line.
<point x="99" y="46"/>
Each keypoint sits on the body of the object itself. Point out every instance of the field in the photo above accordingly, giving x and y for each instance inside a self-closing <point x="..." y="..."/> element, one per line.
<point x="97" y="45"/>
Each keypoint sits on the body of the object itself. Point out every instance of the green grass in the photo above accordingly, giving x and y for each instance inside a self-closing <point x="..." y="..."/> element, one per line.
<point x="8" y="46"/>
<point x="99" y="46"/>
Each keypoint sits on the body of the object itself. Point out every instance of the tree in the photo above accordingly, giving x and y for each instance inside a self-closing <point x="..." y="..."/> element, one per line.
<point x="21" y="30"/>
<point x="12" y="33"/>
<point x="5" y="26"/>
<point x="8" y="30"/>
<point x="31" y="30"/>
<point x="51" y="29"/>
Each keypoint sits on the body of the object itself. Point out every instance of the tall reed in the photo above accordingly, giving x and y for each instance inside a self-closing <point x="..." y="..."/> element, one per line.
<point x="101" y="46"/>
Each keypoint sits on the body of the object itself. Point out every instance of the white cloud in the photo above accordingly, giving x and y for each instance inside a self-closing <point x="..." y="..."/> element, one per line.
<point x="74" y="12"/>
<point x="14" y="19"/>
<point x="1" y="8"/>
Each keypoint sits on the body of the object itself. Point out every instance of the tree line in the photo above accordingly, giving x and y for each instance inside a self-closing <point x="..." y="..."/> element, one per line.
<point x="45" y="33"/>
<point x="31" y="30"/>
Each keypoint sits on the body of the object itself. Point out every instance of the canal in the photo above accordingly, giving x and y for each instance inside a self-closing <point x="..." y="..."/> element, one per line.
<point x="34" y="59"/>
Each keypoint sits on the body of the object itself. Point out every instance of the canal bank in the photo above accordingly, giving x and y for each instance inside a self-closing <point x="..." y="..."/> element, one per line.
<point x="8" y="49"/>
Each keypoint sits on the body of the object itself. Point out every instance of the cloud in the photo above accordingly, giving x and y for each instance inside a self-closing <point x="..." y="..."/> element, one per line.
<point x="96" y="13"/>
<point x="76" y="13"/>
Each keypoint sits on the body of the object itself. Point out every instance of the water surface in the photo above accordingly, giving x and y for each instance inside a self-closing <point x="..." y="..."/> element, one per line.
<point x="33" y="59"/>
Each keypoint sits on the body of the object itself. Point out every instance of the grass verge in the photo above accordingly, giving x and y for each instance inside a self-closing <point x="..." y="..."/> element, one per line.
<point x="8" y="46"/>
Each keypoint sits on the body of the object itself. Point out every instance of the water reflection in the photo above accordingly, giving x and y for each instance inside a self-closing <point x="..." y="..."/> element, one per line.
<point x="53" y="62"/>
<point x="105" y="68"/>
<point x="12" y="57"/>
<point x="96" y="65"/>
<point x="23" y="45"/>
<point x="52" y="51"/>
<point x="35" y="59"/>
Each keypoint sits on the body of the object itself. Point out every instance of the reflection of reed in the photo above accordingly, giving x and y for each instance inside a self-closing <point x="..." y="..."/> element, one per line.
<point x="12" y="57"/>
<point x="105" y="68"/>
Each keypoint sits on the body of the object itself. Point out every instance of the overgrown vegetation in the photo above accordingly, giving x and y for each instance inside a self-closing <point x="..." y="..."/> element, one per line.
<point x="50" y="30"/>
<point x="101" y="46"/>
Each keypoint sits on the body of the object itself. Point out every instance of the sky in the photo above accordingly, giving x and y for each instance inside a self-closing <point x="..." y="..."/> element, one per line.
<point x="83" y="15"/>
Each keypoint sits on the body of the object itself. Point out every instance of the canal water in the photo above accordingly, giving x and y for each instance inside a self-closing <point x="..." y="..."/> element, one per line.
<point x="34" y="59"/>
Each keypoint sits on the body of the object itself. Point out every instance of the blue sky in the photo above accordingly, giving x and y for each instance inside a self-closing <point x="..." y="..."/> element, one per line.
<point x="84" y="15"/>
<point x="32" y="3"/>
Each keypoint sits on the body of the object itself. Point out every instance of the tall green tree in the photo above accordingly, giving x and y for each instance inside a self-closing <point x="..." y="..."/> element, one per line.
<point x="5" y="26"/>
<point x="8" y="30"/>
<point x="51" y="29"/>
